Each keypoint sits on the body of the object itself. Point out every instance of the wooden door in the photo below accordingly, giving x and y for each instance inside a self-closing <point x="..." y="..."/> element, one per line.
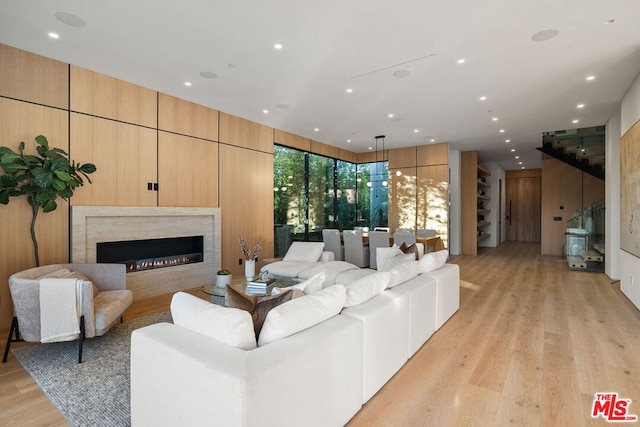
<point x="523" y="209"/>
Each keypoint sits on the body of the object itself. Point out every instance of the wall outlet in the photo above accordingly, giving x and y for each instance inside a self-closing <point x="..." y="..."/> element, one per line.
<point x="239" y="261"/>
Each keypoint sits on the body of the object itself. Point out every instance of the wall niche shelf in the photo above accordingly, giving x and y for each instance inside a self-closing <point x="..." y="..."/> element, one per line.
<point x="476" y="197"/>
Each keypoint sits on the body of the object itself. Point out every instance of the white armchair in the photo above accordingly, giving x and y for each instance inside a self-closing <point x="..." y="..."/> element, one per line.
<point x="104" y="299"/>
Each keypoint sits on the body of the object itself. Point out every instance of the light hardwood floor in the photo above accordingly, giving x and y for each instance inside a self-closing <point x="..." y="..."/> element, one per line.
<point x="531" y="344"/>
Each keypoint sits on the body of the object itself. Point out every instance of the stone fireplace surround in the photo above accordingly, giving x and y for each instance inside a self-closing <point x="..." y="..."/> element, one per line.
<point x="93" y="224"/>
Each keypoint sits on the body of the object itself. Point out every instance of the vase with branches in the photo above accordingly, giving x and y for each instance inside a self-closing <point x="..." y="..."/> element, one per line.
<point x="42" y="178"/>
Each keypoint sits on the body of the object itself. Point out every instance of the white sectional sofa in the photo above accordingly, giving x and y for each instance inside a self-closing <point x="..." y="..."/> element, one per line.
<point x="320" y="376"/>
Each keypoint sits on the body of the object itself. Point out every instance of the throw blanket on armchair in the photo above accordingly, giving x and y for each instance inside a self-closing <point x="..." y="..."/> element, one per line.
<point x="59" y="309"/>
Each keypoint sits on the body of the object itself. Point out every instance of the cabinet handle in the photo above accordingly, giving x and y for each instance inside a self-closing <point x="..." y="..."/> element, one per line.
<point x="149" y="186"/>
<point x="155" y="186"/>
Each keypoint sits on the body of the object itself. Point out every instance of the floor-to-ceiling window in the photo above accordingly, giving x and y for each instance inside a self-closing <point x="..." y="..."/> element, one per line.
<point x="313" y="192"/>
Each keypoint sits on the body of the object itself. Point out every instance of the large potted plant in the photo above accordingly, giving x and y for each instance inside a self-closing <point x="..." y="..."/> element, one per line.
<point x="42" y="178"/>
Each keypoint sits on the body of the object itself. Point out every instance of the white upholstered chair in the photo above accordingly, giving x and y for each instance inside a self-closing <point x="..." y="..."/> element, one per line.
<point x="333" y="243"/>
<point x="377" y="239"/>
<point x="355" y="252"/>
<point x="422" y="232"/>
<point x="400" y="237"/>
<point x="98" y="311"/>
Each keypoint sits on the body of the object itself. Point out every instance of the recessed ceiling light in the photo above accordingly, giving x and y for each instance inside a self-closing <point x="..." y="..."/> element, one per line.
<point x="517" y="157"/>
<point x="370" y="148"/>
<point x="400" y="74"/>
<point x="433" y="140"/>
<point x="461" y="61"/>
<point x="501" y="131"/>
<point x="519" y="163"/>
<point x="398" y="173"/>
<point x="277" y="46"/>
<point x="54" y="35"/>
<point x="591" y="78"/>
<point x="507" y="141"/>
<point x="208" y="75"/>
<point x="609" y="21"/>
<point x="316" y="130"/>
<point x="483" y="98"/>
<point x="544" y="35"/>
<point x="348" y="140"/>
<point x="349" y="90"/>
<point x="495" y="119"/>
<point x="416" y="130"/>
<point x="522" y="167"/>
<point x="187" y="83"/>
<point x="390" y="116"/>
<point x="580" y="106"/>
<point x="70" y="19"/>
<point x="265" y="111"/>
<point x="575" y="121"/>
<point x="513" y="150"/>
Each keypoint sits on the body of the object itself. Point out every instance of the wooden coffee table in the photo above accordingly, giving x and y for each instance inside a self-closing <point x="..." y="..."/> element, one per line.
<point x="218" y="295"/>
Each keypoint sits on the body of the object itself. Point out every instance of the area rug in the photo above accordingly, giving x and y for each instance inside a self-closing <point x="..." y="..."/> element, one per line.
<point x="95" y="392"/>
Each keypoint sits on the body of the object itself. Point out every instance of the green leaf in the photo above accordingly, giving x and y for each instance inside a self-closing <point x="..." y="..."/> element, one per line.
<point x="44" y="180"/>
<point x="49" y="206"/>
<point x="8" y="158"/>
<point x="21" y="146"/>
<point x="63" y="176"/>
<point x="87" y="168"/>
<point x="42" y="141"/>
<point x="5" y="150"/>
<point x="8" y="181"/>
<point x="14" y="167"/>
<point x="66" y="193"/>
<point x="4" y="197"/>
<point x="33" y="160"/>
<point x="58" y="185"/>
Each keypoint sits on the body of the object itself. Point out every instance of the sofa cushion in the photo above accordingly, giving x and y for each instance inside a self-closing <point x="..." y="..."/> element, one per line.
<point x="228" y="325"/>
<point x="304" y="251"/>
<point x="309" y="286"/>
<point x="257" y="306"/>
<point x="409" y="249"/>
<point x="403" y="272"/>
<point x="302" y="313"/>
<point x="366" y="288"/>
<point x="330" y="269"/>
<point x="432" y="261"/>
<point x="383" y="255"/>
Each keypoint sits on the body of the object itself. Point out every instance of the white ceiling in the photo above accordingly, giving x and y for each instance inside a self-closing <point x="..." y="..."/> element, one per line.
<point x="329" y="46"/>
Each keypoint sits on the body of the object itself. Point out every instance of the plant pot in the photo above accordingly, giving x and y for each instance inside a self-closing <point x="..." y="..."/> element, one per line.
<point x="222" y="280"/>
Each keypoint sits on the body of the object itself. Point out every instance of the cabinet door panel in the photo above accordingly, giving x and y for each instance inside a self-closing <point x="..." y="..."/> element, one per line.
<point x="402" y="198"/>
<point x="188" y="171"/>
<point x="126" y="159"/>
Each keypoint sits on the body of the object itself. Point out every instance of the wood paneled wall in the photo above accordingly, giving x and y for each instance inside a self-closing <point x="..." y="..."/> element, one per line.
<point x="246" y="195"/>
<point x="566" y="190"/>
<point x="419" y="188"/>
<point x="33" y="78"/>
<point x="22" y="121"/>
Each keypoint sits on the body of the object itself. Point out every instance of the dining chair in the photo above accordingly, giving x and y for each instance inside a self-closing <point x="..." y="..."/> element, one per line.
<point x="377" y="239"/>
<point x="400" y="237"/>
<point x="333" y="243"/>
<point x="355" y="251"/>
<point x="423" y="232"/>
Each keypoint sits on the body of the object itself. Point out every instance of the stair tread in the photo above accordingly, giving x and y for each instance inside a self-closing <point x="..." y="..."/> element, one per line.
<point x="599" y="247"/>
<point x="576" y="262"/>
<point x="591" y="256"/>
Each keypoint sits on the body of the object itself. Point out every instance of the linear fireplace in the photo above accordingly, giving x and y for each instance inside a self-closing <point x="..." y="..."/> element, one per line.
<point x="95" y="226"/>
<point x="148" y="254"/>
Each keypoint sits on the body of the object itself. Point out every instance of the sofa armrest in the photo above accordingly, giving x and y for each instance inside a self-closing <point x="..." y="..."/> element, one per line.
<point x="180" y="377"/>
<point x="327" y="256"/>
